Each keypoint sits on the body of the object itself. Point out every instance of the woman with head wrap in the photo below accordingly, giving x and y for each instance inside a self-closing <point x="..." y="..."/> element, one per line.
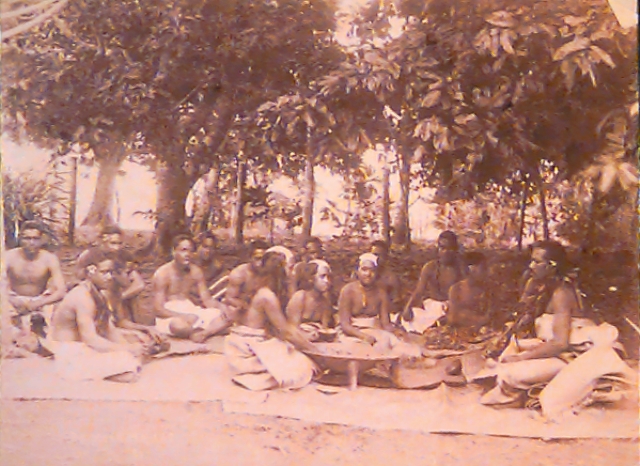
<point x="309" y="307"/>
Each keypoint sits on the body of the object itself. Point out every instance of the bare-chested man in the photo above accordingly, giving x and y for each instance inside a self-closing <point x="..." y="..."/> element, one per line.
<point x="246" y="279"/>
<point x="563" y="331"/>
<point x="34" y="281"/>
<point x="469" y="303"/>
<point x="86" y="343"/>
<point x="363" y="305"/>
<point x="387" y="278"/>
<point x="206" y="259"/>
<point x="126" y="288"/>
<point x="311" y="250"/>
<point x="259" y="347"/>
<point x="173" y="285"/>
<point x="436" y="278"/>
<point x="309" y="307"/>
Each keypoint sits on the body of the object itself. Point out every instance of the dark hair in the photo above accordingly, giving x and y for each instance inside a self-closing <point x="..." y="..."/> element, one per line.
<point x="258" y="244"/>
<point x="207" y="235"/>
<point x="380" y="244"/>
<point x="32" y="225"/>
<point x="307" y="275"/>
<point x="180" y="238"/>
<point x="94" y="256"/>
<point x="312" y="240"/>
<point x="555" y="252"/>
<point x="475" y="258"/>
<point x="111" y="230"/>
<point x="449" y="236"/>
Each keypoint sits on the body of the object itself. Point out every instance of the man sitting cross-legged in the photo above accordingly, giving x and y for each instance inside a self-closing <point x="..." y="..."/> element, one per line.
<point x="310" y="308"/>
<point x="126" y="288"/>
<point x="570" y="352"/>
<point x="84" y="340"/>
<point x="469" y="305"/>
<point x="436" y="278"/>
<point x="260" y="347"/>
<point x="34" y="282"/>
<point x="173" y="284"/>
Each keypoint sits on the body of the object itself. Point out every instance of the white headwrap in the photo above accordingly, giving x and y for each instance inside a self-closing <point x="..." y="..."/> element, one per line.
<point x="368" y="257"/>
<point x="321" y="263"/>
<point x="289" y="258"/>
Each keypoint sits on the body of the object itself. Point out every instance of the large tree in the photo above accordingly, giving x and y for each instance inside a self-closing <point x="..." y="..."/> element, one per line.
<point x="484" y="92"/>
<point x="171" y="76"/>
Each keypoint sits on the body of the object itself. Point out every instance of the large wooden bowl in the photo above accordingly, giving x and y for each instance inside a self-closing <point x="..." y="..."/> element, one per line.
<point x="352" y="360"/>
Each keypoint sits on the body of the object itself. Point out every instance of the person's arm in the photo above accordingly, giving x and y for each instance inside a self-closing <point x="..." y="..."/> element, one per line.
<point x="345" y="305"/>
<point x="385" y="320"/>
<point x="85" y="310"/>
<point x="268" y="301"/>
<point x="295" y="308"/>
<point x="203" y="290"/>
<point x="395" y="295"/>
<point x="58" y="287"/>
<point x="327" y="313"/>
<point x="234" y="290"/>
<point x="562" y="302"/>
<point x="418" y="292"/>
<point x="135" y="287"/>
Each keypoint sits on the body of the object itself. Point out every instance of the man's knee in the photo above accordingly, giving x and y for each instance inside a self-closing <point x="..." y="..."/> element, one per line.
<point x="180" y="327"/>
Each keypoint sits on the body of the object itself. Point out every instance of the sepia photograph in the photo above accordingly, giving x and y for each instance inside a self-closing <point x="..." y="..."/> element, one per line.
<point x="287" y="232"/>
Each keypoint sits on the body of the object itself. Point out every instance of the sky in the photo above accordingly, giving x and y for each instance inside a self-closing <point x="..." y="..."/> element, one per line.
<point x="136" y="190"/>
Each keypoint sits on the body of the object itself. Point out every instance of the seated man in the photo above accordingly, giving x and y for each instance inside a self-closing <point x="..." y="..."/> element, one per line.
<point x="260" y="347"/>
<point x="469" y="305"/>
<point x="34" y="281"/>
<point x="206" y="259"/>
<point x="246" y="279"/>
<point x="310" y="308"/>
<point x="563" y="332"/>
<point x="126" y="288"/>
<point x="386" y="277"/>
<point x="312" y="250"/>
<point x="173" y="284"/>
<point x="436" y="278"/>
<point x="86" y="344"/>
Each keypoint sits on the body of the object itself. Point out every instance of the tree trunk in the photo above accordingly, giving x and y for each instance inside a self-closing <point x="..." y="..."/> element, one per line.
<point x="109" y="163"/>
<point x="402" y="235"/>
<point x="386" y="204"/>
<point x="523" y="211"/>
<point x="309" y="195"/>
<point x="173" y="187"/>
<point x="73" y="200"/>
<point x="238" y="225"/>
<point x="543" y="209"/>
<point x="589" y="237"/>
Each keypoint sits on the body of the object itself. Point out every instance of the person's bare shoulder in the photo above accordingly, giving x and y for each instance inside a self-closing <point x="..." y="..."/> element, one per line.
<point x="297" y="299"/>
<point x="78" y="298"/>
<point x="351" y="288"/>
<point x="49" y="257"/>
<point x="564" y="298"/>
<point x="239" y="272"/>
<point x="162" y="272"/>
<point x="196" y="271"/>
<point x="11" y="256"/>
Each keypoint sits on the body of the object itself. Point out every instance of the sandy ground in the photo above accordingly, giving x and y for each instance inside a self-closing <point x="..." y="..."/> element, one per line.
<point x="142" y="433"/>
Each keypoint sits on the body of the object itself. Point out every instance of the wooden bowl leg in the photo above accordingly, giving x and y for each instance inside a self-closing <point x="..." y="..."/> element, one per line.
<point x="352" y="372"/>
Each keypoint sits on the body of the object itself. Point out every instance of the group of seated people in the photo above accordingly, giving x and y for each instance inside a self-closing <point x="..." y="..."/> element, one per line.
<point x="272" y="308"/>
